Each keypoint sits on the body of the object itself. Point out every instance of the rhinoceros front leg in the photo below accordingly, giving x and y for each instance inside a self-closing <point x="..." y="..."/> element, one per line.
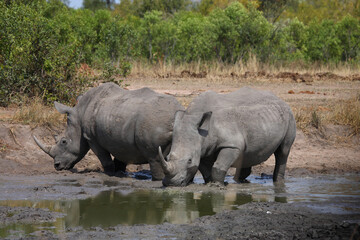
<point x="205" y="168"/>
<point x="119" y="165"/>
<point x="104" y="157"/>
<point x="226" y="158"/>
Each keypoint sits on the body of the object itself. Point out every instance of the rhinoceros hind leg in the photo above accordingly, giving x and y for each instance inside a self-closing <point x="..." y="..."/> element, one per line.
<point x="119" y="166"/>
<point x="241" y="175"/>
<point x="281" y="156"/>
<point x="282" y="152"/>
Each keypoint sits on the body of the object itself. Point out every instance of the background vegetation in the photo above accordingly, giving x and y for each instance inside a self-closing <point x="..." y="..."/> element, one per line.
<point x="46" y="47"/>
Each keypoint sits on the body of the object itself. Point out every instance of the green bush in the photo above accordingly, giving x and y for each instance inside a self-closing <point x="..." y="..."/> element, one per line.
<point x="34" y="62"/>
<point x="322" y="43"/>
<point x="348" y="32"/>
<point x="195" y="37"/>
<point x="239" y="32"/>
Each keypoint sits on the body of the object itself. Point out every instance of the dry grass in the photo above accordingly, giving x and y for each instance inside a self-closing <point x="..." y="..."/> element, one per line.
<point x="344" y="112"/>
<point x="218" y="68"/>
<point x="34" y="112"/>
<point x="347" y="112"/>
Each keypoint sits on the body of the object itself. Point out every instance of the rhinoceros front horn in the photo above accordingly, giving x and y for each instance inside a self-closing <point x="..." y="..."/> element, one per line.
<point x="167" y="167"/>
<point x="45" y="148"/>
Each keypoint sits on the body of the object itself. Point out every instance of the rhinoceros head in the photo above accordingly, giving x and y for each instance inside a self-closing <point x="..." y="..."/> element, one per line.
<point x="184" y="158"/>
<point x="71" y="147"/>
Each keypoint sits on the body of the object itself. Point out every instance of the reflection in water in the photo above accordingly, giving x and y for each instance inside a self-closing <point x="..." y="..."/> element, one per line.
<point x="111" y="208"/>
<point x="149" y="207"/>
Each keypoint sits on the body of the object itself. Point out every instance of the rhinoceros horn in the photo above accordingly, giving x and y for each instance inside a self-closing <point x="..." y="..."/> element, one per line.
<point x="167" y="166"/>
<point x="45" y="148"/>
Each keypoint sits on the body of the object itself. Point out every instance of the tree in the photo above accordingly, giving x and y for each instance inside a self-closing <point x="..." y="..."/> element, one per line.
<point x="239" y="31"/>
<point x="207" y="6"/>
<point x="272" y="9"/>
<point x="348" y="31"/>
<point x="98" y="4"/>
<point x="323" y="43"/>
<point x="140" y="7"/>
<point x="195" y="37"/>
<point x="308" y="10"/>
<point x="151" y="19"/>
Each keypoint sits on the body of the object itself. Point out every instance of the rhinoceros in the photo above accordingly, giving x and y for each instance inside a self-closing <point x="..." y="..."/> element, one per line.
<point x="129" y="125"/>
<point x="218" y="131"/>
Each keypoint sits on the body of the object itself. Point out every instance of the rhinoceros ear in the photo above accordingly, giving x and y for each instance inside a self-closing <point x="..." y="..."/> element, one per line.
<point x="204" y="124"/>
<point x="63" y="108"/>
<point x="78" y="98"/>
<point x="179" y="114"/>
<point x="205" y="118"/>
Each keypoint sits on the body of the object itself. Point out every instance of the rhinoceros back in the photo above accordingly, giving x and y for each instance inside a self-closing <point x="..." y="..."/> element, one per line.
<point x="131" y="124"/>
<point x="246" y="96"/>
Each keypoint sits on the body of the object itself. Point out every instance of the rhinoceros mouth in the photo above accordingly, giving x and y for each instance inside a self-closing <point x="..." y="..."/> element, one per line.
<point x="59" y="168"/>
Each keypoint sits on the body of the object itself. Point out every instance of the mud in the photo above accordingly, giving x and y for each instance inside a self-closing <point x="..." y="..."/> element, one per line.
<point x="251" y="221"/>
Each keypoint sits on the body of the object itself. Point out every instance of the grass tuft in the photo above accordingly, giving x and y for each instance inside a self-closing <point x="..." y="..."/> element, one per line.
<point x="34" y="112"/>
<point x="344" y="112"/>
<point x="348" y="113"/>
<point x="315" y="120"/>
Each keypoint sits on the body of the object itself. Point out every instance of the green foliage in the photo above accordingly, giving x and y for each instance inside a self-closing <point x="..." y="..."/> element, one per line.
<point x="34" y="60"/>
<point x="348" y="32"/>
<point x="288" y="42"/>
<point x="94" y="5"/>
<point x="322" y="43"/>
<point x="43" y="43"/>
<point x="139" y="8"/>
<point x="195" y="37"/>
<point x="117" y="39"/>
<point x="308" y="10"/>
<point x="239" y="32"/>
<point x="111" y="72"/>
<point x="159" y="36"/>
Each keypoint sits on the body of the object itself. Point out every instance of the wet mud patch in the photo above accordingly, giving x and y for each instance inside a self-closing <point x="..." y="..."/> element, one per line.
<point x="19" y="221"/>
<point x="96" y="206"/>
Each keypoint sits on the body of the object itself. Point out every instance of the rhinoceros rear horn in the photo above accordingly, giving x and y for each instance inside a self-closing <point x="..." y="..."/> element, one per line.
<point x="43" y="147"/>
<point x="167" y="167"/>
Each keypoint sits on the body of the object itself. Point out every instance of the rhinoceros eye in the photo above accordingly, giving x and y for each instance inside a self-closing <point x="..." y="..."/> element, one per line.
<point x="63" y="141"/>
<point x="189" y="161"/>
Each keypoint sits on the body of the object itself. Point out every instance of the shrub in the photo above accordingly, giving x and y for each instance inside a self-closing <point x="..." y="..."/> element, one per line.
<point x="35" y="59"/>
<point x="322" y="43"/>
<point x="348" y="32"/>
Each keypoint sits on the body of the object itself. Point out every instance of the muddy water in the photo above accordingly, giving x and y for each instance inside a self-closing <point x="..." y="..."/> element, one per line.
<point x="107" y="203"/>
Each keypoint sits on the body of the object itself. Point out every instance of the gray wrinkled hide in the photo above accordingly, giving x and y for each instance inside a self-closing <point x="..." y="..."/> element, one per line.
<point x="129" y="125"/>
<point x="240" y="129"/>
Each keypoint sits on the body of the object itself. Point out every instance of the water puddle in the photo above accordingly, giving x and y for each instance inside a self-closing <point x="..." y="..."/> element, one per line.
<point x="129" y="207"/>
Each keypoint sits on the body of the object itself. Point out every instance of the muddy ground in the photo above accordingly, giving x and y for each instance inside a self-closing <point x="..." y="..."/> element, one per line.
<point x="27" y="173"/>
